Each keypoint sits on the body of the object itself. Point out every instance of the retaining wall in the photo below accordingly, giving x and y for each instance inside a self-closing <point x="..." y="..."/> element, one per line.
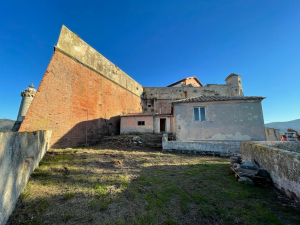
<point x="20" y="154"/>
<point x="281" y="160"/>
<point x="222" y="148"/>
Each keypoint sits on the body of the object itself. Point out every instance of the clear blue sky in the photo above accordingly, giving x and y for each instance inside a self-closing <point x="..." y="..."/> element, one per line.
<point x="160" y="42"/>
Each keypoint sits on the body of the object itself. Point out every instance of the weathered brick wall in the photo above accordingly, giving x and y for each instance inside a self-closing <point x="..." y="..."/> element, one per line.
<point x="73" y="99"/>
<point x="163" y="106"/>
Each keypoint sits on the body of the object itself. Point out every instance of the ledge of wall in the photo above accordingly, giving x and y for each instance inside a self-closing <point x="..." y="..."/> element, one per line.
<point x="174" y="93"/>
<point x="20" y="154"/>
<point x="281" y="160"/>
<point x="71" y="44"/>
<point x="222" y="148"/>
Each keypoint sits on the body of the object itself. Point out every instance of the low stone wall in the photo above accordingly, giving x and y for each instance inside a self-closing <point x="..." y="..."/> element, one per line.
<point x="222" y="148"/>
<point x="281" y="160"/>
<point x="20" y="154"/>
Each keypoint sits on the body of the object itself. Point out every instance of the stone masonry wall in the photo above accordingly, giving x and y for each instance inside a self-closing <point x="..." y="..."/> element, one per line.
<point x="20" y="154"/>
<point x="164" y="96"/>
<point x="81" y="96"/>
<point x="282" y="164"/>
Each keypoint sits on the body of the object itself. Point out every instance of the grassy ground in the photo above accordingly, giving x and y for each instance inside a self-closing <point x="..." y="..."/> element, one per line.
<point x="111" y="185"/>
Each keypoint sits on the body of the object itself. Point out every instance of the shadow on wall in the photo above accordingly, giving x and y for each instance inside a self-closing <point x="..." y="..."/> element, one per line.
<point x="89" y="132"/>
<point x="20" y="153"/>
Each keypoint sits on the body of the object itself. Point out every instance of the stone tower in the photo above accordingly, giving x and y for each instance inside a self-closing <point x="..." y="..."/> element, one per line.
<point x="234" y="81"/>
<point x="27" y="97"/>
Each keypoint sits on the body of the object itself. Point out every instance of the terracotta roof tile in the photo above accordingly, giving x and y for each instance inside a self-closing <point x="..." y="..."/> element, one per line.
<point x="205" y="98"/>
<point x="196" y="79"/>
<point x="137" y="114"/>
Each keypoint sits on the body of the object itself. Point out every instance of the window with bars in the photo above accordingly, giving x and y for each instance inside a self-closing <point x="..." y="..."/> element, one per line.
<point x="199" y="113"/>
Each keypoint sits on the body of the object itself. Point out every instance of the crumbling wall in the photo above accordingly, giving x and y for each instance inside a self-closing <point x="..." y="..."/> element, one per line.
<point x="175" y="93"/>
<point x="225" y="120"/>
<point x="272" y="134"/>
<point x="282" y="164"/>
<point x="164" y="96"/>
<point x="163" y="106"/>
<point x="81" y="95"/>
<point x="20" y="154"/>
<point x="293" y="146"/>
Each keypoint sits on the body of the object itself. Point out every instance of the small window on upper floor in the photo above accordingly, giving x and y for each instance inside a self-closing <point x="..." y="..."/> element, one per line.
<point x="149" y="105"/>
<point x="141" y="123"/>
<point x="199" y="114"/>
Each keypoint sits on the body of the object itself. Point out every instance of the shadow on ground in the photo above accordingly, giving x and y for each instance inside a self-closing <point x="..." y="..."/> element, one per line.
<point x="138" y="186"/>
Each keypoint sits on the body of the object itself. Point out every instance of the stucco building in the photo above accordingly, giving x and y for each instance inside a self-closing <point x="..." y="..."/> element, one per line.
<point x="219" y="118"/>
<point x="158" y="103"/>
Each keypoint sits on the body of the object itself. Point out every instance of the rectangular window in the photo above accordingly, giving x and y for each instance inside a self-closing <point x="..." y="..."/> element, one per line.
<point x="141" y="123"/>
<point x="199" y="113"/>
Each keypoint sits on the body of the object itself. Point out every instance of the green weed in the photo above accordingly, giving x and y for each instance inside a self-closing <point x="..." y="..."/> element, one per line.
<point x="68" y="195"/>
<point x="101" y="203"/>
<point x="41" y="174"/>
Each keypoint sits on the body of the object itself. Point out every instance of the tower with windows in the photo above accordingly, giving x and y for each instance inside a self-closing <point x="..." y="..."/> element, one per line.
<point x="234" y="81"/>
<point x="27" y="97"/>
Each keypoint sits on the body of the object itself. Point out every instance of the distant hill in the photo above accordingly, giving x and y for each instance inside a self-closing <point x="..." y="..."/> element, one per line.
<point x="6" y="124"/>
<point x="283" y="126"/>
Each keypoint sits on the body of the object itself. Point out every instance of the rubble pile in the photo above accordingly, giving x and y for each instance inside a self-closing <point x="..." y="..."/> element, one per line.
<point x="133" y="140"/>
<point x="248" y="172"/>
<point x="124" y="140"/>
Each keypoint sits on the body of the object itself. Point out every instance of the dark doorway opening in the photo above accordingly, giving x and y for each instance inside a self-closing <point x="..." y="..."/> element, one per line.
<point x="162" y="125"/>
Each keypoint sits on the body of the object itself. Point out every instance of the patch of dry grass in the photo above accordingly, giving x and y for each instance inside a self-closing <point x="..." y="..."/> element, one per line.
<point x="136" y="186"/>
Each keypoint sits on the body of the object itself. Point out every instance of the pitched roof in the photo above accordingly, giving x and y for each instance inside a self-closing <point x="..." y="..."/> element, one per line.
<point x="232" y="75"/>
<point x="137" y="114"/>
<point x="146" y="114"/>
<point x="196" y="79"/>
<point x="205" y="98"/>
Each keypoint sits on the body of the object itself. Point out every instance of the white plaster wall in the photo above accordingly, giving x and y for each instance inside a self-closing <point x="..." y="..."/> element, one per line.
<point x="20" y="154"/>
<point x="130" y="124"/>
<point x="172" y="121"/>
<point x="157" y="124"/>
<point x="225" y="120"/>
<point x="222" y="148"/>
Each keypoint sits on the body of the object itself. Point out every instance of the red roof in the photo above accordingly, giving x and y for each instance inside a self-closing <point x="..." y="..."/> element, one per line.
<point x="205" y="98"/>
<point x="146" y="114"/>
<point x="137" y="114"/>
<point x="184" y="80"/>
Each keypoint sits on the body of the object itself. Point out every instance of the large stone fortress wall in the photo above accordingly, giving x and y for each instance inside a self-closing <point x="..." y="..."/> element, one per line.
<point x="81" y="95"/>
